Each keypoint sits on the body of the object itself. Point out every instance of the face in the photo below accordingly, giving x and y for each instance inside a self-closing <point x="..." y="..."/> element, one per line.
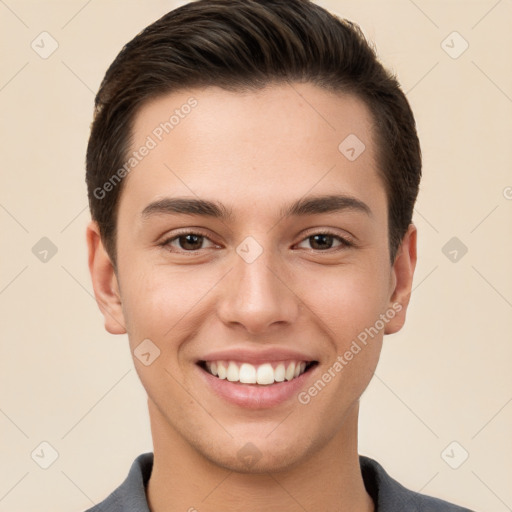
<point x="251" y="245"/>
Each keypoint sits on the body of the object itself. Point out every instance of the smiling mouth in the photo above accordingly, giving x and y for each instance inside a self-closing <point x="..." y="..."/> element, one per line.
<point x="262" y="374"/>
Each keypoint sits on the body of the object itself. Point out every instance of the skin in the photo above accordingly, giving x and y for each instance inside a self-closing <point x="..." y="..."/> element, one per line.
<point x="255" y="152"/>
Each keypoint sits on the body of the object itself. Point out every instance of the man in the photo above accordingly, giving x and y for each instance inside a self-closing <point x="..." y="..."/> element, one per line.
<point x="252" y="171"/>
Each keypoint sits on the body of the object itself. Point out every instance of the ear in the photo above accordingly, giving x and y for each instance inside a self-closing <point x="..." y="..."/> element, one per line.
<point x="104" y="281"/>
<point x="401" y="280"/>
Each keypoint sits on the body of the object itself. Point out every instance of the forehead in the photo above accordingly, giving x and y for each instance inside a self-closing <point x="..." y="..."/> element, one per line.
<point x="283" y="140"/>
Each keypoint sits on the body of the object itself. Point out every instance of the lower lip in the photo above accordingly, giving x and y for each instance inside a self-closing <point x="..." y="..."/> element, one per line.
<point x="254" y="396"/>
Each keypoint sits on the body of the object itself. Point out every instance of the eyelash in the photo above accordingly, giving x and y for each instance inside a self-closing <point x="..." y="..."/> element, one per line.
<point x="345" y="243"/>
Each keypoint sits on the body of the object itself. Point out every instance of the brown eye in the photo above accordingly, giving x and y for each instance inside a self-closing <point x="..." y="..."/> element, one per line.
<point x="321" y="241"/>
<point x="325" y="241"/>
<point x="190" y="242"/>
<point x="187" y="242"/>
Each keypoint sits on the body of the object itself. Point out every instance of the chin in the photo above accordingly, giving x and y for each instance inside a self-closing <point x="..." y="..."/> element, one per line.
<point x="253" y="459"/>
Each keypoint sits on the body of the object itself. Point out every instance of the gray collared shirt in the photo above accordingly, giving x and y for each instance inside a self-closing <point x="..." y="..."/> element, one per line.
<point x="387" y="494"/>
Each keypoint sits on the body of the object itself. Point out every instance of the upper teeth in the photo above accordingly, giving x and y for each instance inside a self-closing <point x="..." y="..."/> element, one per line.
<point x="250" y="374"/>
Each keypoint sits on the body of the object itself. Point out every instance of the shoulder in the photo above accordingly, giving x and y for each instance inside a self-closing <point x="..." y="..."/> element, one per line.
<point x="131" y="494"/>
<point x="391" y="496"/>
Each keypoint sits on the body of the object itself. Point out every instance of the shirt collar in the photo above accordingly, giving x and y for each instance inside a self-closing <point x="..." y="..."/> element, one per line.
<point x="386" y="493"/>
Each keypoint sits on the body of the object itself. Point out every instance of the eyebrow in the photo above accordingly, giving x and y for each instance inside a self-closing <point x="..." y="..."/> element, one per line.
<point x="311" y="205"/>
<point x="314" y="205"/>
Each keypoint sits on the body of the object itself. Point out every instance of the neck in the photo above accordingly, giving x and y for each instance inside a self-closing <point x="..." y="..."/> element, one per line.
<point x="182" y="479"/>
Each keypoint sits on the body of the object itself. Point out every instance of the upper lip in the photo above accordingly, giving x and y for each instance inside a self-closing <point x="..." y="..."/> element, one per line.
<point x="257" y="356"/>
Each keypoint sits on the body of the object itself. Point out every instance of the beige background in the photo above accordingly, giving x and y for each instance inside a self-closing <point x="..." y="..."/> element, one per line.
<point x="446" y="377"/>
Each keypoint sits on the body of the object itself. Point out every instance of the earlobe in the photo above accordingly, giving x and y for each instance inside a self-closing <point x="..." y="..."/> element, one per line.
<point x="104" y="281"/>
<point x="402" y="277"/>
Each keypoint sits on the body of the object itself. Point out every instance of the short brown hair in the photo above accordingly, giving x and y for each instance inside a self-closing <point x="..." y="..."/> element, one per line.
<point x="247" y="44"/>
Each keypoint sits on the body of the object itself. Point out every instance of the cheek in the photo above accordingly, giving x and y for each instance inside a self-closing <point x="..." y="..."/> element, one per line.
<point x="157" y="307"/>
<point x="345" y="299"/>
<point x="158" y="302"/>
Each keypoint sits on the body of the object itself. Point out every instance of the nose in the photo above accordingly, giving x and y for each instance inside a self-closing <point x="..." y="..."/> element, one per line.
<point x="258" y="296"/>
